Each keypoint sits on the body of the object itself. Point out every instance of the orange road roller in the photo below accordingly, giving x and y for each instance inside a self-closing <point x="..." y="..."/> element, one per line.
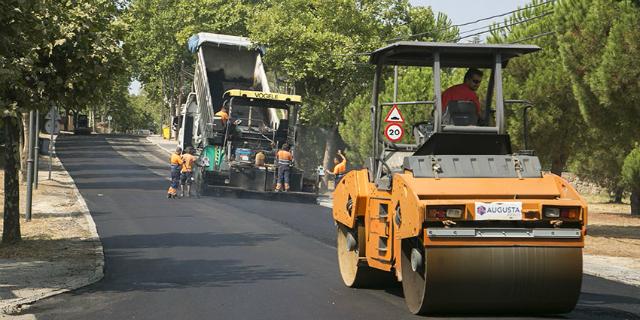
<point x="465" y="223"/>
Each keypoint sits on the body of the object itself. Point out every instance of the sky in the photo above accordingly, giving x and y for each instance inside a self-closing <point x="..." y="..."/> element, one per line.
<point x="459" y="11"/>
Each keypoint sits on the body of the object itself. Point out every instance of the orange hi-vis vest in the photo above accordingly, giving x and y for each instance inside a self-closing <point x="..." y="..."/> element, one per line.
<point x="340" y="168"/>
<point x="223" y="116"/>
<point x="284" y="157"/>
<point x="187" y="162"/>
<point x="176" y="159"/>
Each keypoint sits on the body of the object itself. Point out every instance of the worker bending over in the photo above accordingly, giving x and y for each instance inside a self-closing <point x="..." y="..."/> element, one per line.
<point x="340" y="167"/>
<point x="283" y="160"/>
<point x="188" y="160"/>
<point x="176" y="166"/>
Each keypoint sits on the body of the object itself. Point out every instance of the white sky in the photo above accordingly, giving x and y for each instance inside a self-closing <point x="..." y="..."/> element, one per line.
<point x="459" y="11"/>
<point x="134" y="87"/>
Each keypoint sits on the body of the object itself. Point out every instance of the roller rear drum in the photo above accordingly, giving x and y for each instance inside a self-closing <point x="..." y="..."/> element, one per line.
<point x="540" y="280"/>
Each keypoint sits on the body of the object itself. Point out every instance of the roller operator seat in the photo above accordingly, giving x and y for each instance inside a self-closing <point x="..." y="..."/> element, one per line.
<point x="460" y="113"/>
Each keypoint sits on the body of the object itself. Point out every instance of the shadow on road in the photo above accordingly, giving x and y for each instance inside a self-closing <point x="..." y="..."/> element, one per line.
<point x="168" y="240"/>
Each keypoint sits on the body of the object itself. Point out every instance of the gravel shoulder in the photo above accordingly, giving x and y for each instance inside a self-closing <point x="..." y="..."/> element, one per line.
<point x="60" y="251"/>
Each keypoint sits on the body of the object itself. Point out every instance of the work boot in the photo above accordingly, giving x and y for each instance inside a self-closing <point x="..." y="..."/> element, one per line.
<point x="286" y="187"/>
<point x="278" y="186"/>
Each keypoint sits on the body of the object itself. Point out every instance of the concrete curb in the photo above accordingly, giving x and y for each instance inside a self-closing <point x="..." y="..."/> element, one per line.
<point x="612" y="268"/>
<point x="159" y="145"/>
<point x="15" y="306"/>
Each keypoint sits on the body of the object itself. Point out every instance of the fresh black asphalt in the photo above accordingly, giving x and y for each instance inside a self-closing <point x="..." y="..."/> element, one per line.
<point x="226" y="258"/>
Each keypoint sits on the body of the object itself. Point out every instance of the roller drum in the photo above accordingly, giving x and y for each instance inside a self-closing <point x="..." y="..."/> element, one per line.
<point x="531" y="280"/>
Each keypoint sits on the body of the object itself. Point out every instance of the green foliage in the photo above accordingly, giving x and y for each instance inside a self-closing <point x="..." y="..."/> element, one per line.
<point x="318" y="47"/>
<point x="146" y="113"/>
<point x="599" y="46"/>
<point x="66" y="53"/>
<point x="315" y="45"/>
<point x="631" y="170"/>
<point x="58" y="52"/>
<point x="156" y="42"/>
<point x="556" y="129"/>
<point x="423" y="22"/>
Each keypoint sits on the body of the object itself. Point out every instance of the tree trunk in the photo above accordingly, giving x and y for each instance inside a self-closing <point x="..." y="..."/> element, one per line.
<point x="330" y="151"/>
<point x="635" y="202"/>
<point x="11" y="224"/>
<point x="66" y="119"/>
<point x="617" y="195"/>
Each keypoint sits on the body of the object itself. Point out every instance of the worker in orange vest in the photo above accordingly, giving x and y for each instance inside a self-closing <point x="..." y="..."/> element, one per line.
<point x="224" y="116"/>
<point x="176" y="166"/>
<point x="340" y="167"/>
<point x="284" y="159"/>
<point x="186" y="174"/>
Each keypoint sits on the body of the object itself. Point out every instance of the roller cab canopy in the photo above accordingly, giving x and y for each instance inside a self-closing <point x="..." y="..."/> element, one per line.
<point x="452" y="55"/>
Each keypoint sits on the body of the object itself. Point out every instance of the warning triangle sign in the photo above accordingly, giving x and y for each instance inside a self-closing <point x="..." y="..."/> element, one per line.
<point x="394" y="115"/>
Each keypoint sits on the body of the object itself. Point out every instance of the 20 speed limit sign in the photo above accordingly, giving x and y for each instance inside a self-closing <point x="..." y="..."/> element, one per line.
<point x="394" y="132"/>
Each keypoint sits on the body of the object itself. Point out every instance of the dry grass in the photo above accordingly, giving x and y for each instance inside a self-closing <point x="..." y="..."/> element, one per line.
<point x="57" y="228"/>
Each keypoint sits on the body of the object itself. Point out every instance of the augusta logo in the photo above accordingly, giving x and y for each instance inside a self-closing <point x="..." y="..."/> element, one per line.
<point x="481" y="210"/>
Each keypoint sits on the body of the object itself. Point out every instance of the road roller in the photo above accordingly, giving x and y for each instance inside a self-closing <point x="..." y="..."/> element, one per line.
<point x="466" y="224"/>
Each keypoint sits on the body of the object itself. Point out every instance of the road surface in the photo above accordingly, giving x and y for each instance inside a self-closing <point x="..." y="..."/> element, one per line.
<point x="227" y="258"/>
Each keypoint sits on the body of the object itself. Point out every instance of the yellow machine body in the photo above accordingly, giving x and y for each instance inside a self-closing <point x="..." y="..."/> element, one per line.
<point x="463" y="269"/>
<point x="466" y="224"/>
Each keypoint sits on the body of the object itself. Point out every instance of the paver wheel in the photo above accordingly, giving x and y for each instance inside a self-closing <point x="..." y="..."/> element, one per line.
<point x="199" y="184"/>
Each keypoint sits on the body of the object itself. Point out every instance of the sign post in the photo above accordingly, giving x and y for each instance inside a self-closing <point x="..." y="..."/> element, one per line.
<point x="36" y="146"/>
<point x="51" y="127"/>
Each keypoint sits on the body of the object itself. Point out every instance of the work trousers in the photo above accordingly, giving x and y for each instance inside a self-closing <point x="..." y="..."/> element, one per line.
<point x="283" y="173"/>
<point x="175" y="178"/>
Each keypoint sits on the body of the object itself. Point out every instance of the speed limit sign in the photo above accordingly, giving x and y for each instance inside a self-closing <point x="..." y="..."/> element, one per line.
<point x="394" y="132"/>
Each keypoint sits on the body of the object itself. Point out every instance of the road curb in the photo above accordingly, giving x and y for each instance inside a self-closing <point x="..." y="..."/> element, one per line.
<point x="159" y="145"/>
<point x="15" y="306"/>
<point x="612" y="268"/>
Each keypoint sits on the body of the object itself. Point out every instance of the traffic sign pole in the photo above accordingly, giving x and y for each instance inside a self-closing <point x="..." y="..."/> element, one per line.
<point x="54" y="119"/>
<point x="36" y="150"/>
<point x="27" y="213"/>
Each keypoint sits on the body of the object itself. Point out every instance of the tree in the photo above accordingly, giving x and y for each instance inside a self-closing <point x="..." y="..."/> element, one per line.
<point x="556" y="128"/>
<point x="156" y="42"/>
<point x="598" y="44"/>
<point x="15" y="61"/>
<point x="63" y="53"/>
<point x="318" y="49"/>
<point x="322" y="50"/>
<point x="631" y="177"/>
